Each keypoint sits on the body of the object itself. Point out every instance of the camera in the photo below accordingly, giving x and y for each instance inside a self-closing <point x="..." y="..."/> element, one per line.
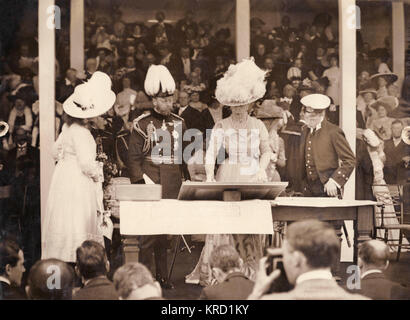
<point x="281" y="284"/>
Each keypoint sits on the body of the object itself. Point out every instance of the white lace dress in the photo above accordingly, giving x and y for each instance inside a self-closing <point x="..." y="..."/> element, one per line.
<point x="74" y="197"/>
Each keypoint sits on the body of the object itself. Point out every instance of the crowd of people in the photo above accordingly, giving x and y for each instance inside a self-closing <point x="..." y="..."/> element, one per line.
<point x="308" y="252"/>
<point x="295" y="63"/>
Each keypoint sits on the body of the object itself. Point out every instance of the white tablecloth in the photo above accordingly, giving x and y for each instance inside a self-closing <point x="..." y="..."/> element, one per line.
<point x="195" y="217"/>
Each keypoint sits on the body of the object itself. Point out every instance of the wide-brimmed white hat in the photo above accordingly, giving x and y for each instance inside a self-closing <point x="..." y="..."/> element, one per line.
<point x="92" y="98"/>
<point x="243" y="83"/>
<point x="316" y="101"/>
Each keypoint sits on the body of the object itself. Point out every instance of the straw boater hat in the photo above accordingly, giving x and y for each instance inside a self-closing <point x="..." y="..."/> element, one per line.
<point x="316" y="101"/>
<point x="390" y="77"/>
<point x="159" y="82"/>
<point x="243" y="83"/>
<point x="92" y="98"/>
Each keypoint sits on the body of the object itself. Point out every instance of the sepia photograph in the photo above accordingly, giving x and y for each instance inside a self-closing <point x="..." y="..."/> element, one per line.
<point x="197" y="150"/>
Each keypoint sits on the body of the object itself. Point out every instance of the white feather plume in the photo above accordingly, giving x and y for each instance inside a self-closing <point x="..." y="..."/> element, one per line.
<point x="243" y="83"/>
<point x="158" y="76"/>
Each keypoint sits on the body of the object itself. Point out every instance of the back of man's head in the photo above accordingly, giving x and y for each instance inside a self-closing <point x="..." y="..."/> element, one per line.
<point x="134" y="281"/>
<point x="91" y="260"/>
<point x="50" y="279"/>
<point x="373" y="254"/>
<point x="226" y="258"/>
<point x="9" y="255"/>
<point x="316" y="240"/>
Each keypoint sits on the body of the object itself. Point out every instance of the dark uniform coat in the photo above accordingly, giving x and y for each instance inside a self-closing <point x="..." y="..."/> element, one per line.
<point x="141" y="144"/>
<point x="329" y="147"/>
<point x="147" y="136"/>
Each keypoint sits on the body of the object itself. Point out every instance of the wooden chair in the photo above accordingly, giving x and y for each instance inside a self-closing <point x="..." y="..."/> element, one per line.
<point x="390" y="202"/>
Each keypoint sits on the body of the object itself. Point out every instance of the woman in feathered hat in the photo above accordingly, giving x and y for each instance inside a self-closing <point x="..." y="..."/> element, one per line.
<point x="74" y="202"/>
<point x="246" y="141"/>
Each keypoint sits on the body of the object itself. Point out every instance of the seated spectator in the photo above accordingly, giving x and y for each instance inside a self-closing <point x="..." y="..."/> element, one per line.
<point x="363" y="80"/>
<point x="382" y="123"/>
<point x="135" y="75"/>
<point x="183" y="102"/>
<point x="92" y="267"/>
<point x="260" y="55"/>
<point x="395" y="150"/>
<point x="161" y="31"/>
<point x="192" y="114"/>
<point x="232" y="284"/>
<point x="366" y="113"/>
<point x="90" y="67"/>
<point x="373" y="261"/>
<point x="11" y="271"/>
<point x="309" y="250"/>
<point x="289" y="93"/>
<point x="133" y="281"/>
<point x="20" y="115"/>
<point x="125" y="99"/>
<point x="333" y="74"/>
<point x="296" y="69"/>
<point x="66" y="87"/>
<point x="43" y="277"/>
<point x="381" y="81"/>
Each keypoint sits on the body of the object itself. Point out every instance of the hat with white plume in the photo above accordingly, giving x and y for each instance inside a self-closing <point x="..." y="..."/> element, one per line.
<point x="92" y="98"/>
<point x="159" y="81"/>
<point x="243" y="83"/>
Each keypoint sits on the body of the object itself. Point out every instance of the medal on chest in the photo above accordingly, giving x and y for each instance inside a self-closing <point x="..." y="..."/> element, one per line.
<point x="152" y="133"/>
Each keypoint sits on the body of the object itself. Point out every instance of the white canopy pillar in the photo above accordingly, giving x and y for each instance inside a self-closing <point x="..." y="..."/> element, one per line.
<point x="399" y="40"/>
<point x="347" y="57"/>
<point x="77" y="35"/>
<point x="46" y="44"/>
<point x="243" y="29"/>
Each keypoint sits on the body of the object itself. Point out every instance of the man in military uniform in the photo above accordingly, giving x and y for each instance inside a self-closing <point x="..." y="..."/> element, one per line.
<point x="155" y="149"/>
<point x="328" y="160"/>
<point x="327" y="156"/>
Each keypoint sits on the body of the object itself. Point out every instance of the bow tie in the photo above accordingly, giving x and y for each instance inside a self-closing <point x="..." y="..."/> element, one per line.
<point x="22" y="147"/>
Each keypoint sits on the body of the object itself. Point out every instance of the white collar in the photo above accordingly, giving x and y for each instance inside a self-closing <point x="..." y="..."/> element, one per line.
<point x="4" y="279"/>
<point x="319" y="274"/>
<point x="317" y="127"/>
<point x="396" y="139"/>
<point x="369" y="272"/>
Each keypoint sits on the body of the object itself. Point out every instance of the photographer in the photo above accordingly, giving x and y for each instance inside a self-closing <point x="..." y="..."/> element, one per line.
<point x="309" y="250"/>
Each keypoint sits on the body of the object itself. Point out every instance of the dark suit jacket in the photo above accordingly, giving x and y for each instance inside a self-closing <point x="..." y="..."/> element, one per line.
<point x="192" y="118"/>
<point x="315" y="290"/>
<point x="8" y="292"/>
<point x="329" y="146"/>
<point x="99" y="288"/>
<point x="207" y="122"/>
<point x="394" y="157"/>
<point x="236" y="286"/>
<point x="377" y="287"/>
<point x="364" y="172"/>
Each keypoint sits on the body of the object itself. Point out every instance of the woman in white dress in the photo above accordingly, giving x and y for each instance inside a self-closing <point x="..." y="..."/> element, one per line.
<point x="246" y="140"/>
<point x="377" y="156"/>
<point x="74" y="202"/>
<point x="333" y="74"/>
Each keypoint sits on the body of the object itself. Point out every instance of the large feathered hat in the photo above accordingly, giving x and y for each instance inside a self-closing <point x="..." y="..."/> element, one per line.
<point x="243" y="83"/>
<point x="92" y="98"/>
<point x="159" y="81"/>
